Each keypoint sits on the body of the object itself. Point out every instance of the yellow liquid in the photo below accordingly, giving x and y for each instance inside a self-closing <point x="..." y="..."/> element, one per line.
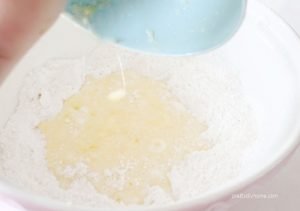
<point x="127" y="139"/>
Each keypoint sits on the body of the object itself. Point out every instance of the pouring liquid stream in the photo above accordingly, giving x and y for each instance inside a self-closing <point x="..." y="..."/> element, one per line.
<point x="122" y="92"/>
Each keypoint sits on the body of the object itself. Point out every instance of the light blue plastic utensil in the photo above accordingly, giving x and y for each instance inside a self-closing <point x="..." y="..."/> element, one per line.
<point x="161" y="26"/>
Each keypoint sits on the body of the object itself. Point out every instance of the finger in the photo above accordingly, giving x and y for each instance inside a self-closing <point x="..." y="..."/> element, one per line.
<point x="22" y="22"/>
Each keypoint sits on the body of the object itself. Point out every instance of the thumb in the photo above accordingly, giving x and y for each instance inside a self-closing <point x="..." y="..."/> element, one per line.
<point x="22" y="22"/>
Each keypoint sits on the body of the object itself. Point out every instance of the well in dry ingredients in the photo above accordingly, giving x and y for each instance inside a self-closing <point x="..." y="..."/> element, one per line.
<point x="123" y="144"/>
<point x="177" y="129"/>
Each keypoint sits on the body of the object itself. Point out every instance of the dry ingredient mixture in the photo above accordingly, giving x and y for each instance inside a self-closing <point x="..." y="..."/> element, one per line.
<point x="176" y="129"/>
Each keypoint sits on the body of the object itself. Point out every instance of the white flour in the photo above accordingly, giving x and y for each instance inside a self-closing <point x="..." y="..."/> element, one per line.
<point x="211" y="91"/>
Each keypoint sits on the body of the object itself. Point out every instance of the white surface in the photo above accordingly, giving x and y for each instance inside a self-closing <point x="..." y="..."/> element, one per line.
<point x="286" y="183"/>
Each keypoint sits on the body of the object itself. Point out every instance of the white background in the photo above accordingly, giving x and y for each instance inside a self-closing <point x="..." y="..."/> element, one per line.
<point x="286" y="183"/>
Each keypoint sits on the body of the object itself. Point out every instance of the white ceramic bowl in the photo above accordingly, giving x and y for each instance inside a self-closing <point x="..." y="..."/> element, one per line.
<point x="265" y="51"/>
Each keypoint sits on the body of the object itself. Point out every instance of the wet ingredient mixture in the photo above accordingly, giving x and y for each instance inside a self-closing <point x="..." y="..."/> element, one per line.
<point x="124" y="140"/>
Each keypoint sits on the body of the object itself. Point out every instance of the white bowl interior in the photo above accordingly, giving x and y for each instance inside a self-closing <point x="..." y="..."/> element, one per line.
<point x="264" y="51"/>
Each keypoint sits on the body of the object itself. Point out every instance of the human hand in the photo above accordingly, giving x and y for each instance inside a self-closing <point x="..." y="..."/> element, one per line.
<point x="22" y="22"/>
